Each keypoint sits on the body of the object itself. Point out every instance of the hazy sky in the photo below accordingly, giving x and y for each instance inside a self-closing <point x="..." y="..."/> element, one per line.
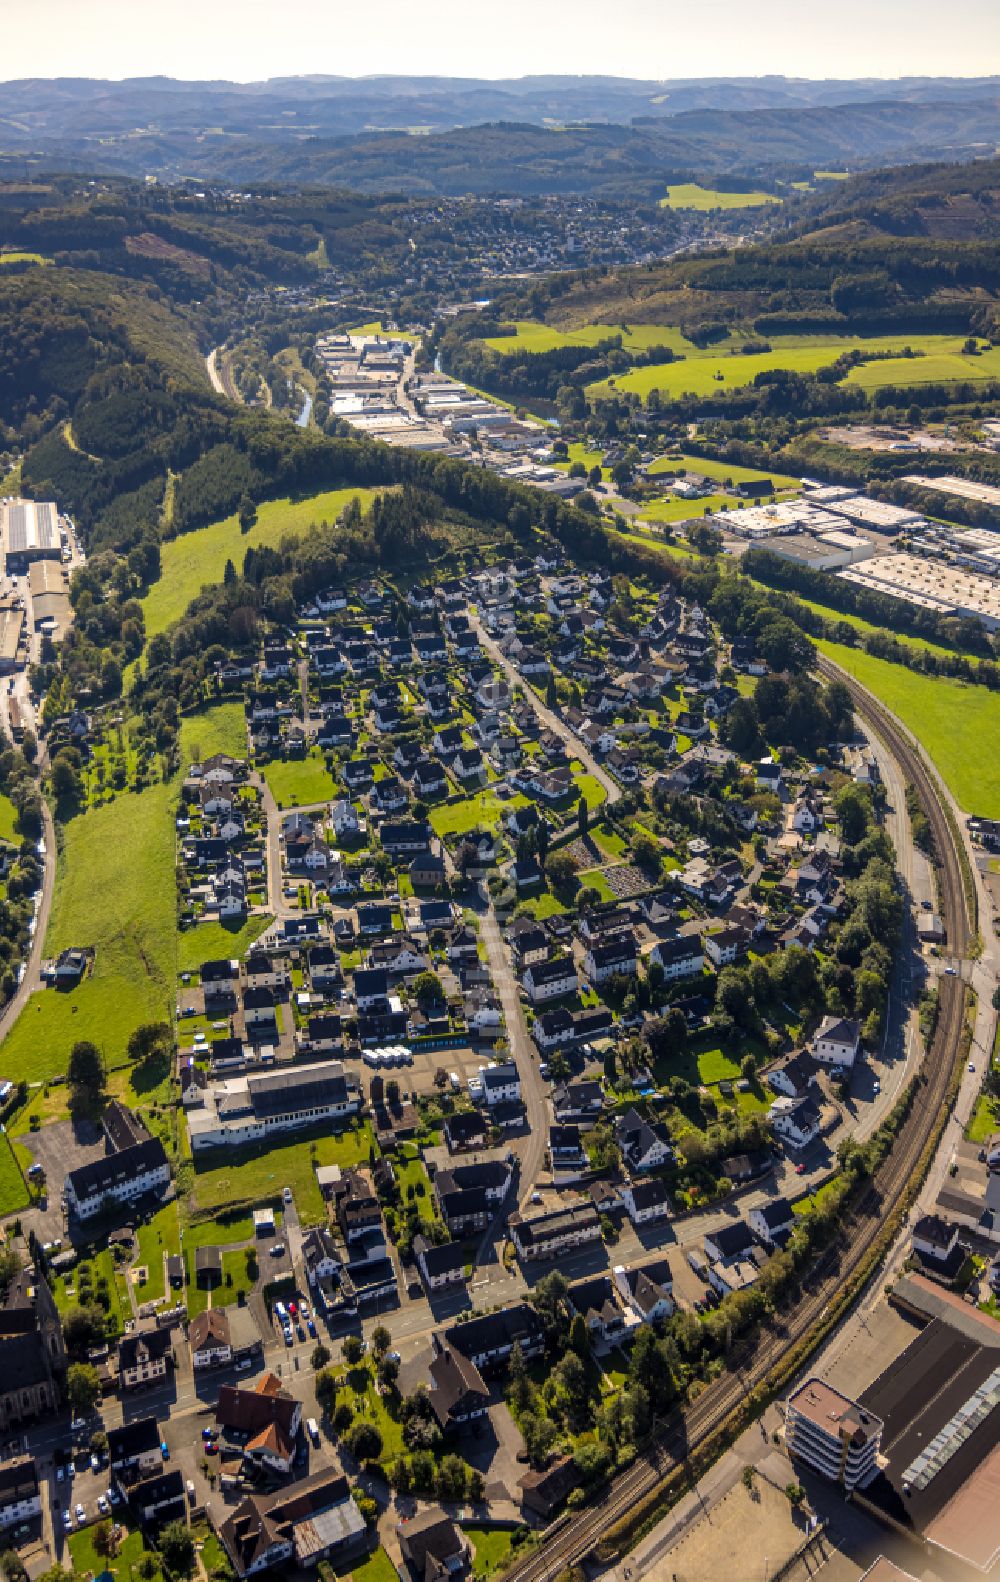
<point x="246" y="40"/>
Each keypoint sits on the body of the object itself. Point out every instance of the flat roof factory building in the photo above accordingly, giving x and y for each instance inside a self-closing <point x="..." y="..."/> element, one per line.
<point x="11" y="629"/>
<point x="29" y="531"/>
<point x="51" y="611"/>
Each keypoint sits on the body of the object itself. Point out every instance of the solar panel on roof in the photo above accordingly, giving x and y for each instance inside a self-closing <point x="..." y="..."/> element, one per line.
<point x="954" y="1434"/>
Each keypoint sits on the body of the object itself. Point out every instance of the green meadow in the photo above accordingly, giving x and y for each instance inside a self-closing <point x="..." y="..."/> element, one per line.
<point x="719" y="471"/>
<point x="704" y="372"/>
<point x="197" y="560"/>
<point x="689" y="195"/>
<point x="535" y="337"/>
<point x="114" y="891"/>
<point x="952" y="721"/>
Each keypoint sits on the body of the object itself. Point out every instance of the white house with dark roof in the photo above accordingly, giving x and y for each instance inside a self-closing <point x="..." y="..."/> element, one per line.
<point x="646" y="1291"/>
<point x="836" y="1041"/>
<point x="550" y="980"/>
<point x="646" y="1201"/>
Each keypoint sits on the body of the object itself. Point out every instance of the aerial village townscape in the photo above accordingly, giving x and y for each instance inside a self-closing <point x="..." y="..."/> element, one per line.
<point x="499" y="815"/>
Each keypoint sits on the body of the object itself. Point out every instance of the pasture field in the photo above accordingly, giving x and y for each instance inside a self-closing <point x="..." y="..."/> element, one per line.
<point x="719" y="471"/>
<point x="676" y="510"/>
<point x="944" y="367"/>
<point x="115" y="891"/>
<point x="299" y="782"/>
<point x="696" y="375"/>
<point x="23" y="258"/>
<point x="689" y="195"/>
<point x="950" y="719"/>
<point x="198" y="559"/>
<point x="535" y="337"/>
<point x="221" y="728"/>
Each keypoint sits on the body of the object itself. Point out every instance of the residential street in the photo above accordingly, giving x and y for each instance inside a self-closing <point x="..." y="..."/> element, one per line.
<point x="550" y="720"/>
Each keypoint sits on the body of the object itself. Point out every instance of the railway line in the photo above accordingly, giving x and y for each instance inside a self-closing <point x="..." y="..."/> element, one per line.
<point x="688" y="1430"/>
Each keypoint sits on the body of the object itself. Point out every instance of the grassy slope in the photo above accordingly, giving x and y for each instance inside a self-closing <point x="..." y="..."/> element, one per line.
<point x="197" y="559"/>
<point x="533" y="336"/>
<point x="689" y="195"/>
<point x="220" y="729"/>
<point x="952" y="721"/>
<point x="114" y="890"/>
<point x="721" y="470"/>
<point x="696" y="374"/>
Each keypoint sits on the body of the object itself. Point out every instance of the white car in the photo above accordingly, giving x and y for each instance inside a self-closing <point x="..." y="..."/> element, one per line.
<point x="287" y="1194"/>
<point x="102" y="1504"/>
<point x="68" y="1521"/>
<point x="81" y="1514"/>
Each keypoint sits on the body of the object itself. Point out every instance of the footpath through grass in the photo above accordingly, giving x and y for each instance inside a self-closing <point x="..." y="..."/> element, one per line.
<point x="957" y="723"/>
<point x="194" y="560"/>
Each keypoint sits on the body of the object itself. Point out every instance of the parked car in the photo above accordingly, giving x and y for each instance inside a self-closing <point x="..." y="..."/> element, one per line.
<point x="164" y="1450"/>
<point x="311" y="1327"/>
<point x="68" y="1521"/>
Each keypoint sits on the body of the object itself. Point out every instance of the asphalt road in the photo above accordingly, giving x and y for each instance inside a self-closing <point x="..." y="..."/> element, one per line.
<point x="548" y="717"/>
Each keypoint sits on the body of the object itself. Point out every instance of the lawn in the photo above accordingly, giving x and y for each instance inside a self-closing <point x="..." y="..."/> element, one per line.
<point x="222" y="728"/>
<point x="377" y="1568"/>
<point x="253" y="1177"/>
<point x="492" y="1548"/>
<point x="607" y="841"/>
<point x="357" y="1387"/>
<point x="689" y="195"/>
<point x="677" y="510"/>
<point x="577" y="451"/>
<point x="706" y="467"/>
<point x="236" y="1282"/>
<point x="8" y="821"/>
<point x="13" y="1192"/>
<point x="484" y="809"/>
<point x="193" y="560"/>
<point x="589" y="787"/>
<point x="160" y="1235"/>
<point x="985" y="1119"/>
<point x="299" y="782"/>
<point x="216" y="941"/>
<point x="593" y="879"/>
<point x="952" y="720"/>
<point x="114" y="891"/>
<point x="125" y="1564"/>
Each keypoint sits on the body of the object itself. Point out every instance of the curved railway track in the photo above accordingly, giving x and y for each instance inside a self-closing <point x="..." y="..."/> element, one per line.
<point x="688" y="1430"/>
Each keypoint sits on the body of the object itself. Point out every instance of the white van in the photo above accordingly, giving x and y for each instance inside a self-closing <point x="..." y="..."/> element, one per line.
<point x="312" y="1429"/>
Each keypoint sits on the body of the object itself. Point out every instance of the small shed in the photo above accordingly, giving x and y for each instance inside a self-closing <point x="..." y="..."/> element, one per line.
<point x="208" y="1263"/>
